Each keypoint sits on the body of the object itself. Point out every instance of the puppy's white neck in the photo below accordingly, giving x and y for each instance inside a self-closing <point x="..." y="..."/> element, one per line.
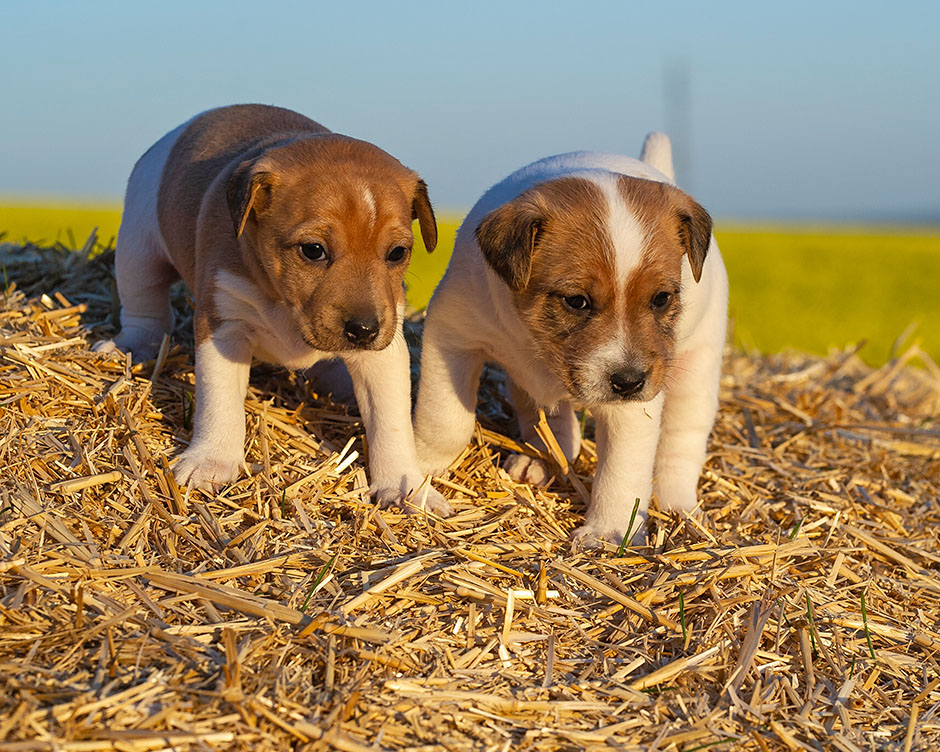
<point x="274" y="333"/>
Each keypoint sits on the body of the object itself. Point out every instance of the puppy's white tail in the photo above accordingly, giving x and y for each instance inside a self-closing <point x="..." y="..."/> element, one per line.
<point x="657" y="152"/>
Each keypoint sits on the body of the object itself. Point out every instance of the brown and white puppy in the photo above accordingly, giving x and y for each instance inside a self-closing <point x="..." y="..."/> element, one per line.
<point x="294" y="242"/>
<point x="593" y="281"/>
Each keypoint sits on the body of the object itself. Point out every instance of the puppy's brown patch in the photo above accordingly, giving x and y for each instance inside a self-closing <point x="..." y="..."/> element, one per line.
<point x="246" y="187"/>
<point x="208" y="144"/>
<point x="356" y="202"/>
<point x="553" y="243"/>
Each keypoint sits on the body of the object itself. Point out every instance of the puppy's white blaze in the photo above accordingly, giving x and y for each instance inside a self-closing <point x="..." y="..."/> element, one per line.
<point x="369" y="200"/>
<point x="627" y="234"/>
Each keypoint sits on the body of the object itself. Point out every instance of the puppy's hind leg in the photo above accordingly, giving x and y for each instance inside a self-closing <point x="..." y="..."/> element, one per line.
<point x="143" y="278"/>
<point x="142" y="263"/>
<point x="565" y="428"/>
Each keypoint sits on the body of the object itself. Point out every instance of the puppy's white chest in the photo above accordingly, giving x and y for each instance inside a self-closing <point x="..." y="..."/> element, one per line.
<point x="275" y="337"/>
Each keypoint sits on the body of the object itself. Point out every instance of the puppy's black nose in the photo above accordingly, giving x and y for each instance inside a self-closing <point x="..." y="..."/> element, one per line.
<point x="361" y="331"/>
<point x="628" y="382"/>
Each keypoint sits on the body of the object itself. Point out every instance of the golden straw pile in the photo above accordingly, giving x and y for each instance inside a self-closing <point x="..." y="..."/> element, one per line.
<point x="800" y="611"/>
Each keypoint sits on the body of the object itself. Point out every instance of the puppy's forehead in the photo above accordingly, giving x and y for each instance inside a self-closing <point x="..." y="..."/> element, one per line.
<point x="613" y="232"/>
<point x="576" y="215"/>
<point x="359" y="215"/>
<point x="593" y="215"/>
<point x="627" y="224"/>
<point x="628" y="233"/>
<point x="653" y="206"/>
<point x="348" y="187"/>
<point x="331" y="150"/>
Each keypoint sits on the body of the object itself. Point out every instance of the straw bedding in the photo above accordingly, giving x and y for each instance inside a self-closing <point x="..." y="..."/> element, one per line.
<point x="800" y="611"/>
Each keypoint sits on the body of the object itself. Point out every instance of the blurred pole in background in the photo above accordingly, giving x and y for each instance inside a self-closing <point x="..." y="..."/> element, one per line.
<point x="677" y="117"/>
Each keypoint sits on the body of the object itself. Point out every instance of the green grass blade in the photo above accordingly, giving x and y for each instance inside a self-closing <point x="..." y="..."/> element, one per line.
<point x="796" y="529"/>
<point x="316" y="582"/>
<point x="627" y="537"/>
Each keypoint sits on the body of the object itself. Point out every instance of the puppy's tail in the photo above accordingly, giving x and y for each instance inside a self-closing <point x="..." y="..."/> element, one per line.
<point x="657" y="153"/>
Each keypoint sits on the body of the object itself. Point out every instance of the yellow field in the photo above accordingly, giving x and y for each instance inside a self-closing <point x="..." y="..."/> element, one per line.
<point x="791" y="287"/>
<point x="67" y="223"/>
<point x="818" y="288"/>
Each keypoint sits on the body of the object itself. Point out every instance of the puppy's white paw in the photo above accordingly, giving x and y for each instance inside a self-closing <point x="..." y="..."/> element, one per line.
<point x="592" y="536"/>
<point x="409" y="494"/>
<point x="435" y="503"/>
<point x="140" y="352"/>
<point x="105" y="347"/>
<point x="525" y="469"/>
<point x="208" y="469"/>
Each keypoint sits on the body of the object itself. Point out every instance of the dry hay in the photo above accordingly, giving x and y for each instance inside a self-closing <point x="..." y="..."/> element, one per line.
<point x="800" y="612"/>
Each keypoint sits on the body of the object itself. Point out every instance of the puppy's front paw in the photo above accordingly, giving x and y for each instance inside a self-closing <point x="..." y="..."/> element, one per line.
<point x="525" y="469"/>
<point x="207" y="468"/>
<point x="410" y="496"/>
<point x="592" y="536"/>
<point x="434" y="503"/>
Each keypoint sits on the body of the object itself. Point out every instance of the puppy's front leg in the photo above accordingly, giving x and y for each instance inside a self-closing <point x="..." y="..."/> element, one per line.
<point x="627" y="434"/>
<point x="445" y="413"/>
<point x="382" y="382"/>
<point x="688" y="416"/>
<point x="217" y="451"/>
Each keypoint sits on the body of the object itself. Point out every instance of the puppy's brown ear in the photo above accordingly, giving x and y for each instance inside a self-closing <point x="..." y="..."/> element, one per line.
<point x="422" y="211"/>
<point x="248" y="189"/>
<point x="507" y="236"/>
<point x="695" y="233"/>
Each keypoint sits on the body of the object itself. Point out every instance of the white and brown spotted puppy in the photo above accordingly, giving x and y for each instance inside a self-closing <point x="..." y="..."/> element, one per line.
<point x="294" y="242"/>
<point x="593" y="281"/>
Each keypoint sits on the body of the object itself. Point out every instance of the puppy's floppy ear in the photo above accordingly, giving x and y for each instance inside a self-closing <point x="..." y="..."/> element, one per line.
<point x="507" y="236"/>
<point x="248" y="188"/>
<point x="422" y="211"/>
<point x="695" y="232"/>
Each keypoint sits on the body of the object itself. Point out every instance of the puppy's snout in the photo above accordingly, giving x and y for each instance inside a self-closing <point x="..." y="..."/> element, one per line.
<point x="627" y="382"/>
<point x="361" y="330"/>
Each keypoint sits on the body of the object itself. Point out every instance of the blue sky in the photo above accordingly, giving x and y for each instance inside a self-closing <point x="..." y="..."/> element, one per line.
<point x="823" y="110"/>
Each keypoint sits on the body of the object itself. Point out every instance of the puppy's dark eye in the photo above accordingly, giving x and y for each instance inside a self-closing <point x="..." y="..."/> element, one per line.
<point x="397" y="254"/>
<point x="577" y="302"/>
<point x="313" y="251"/>
<point x="661" y="301"/>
